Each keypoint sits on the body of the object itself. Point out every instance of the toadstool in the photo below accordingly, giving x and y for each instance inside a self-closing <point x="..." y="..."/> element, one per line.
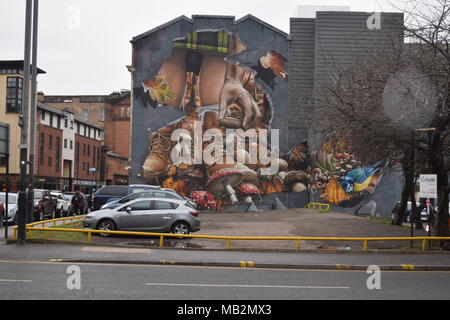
<point x="247" y="190"/>
<point x="225" y="180"/>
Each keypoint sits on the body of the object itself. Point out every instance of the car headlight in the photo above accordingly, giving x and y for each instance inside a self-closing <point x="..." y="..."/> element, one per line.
<point x="89" y="216"/>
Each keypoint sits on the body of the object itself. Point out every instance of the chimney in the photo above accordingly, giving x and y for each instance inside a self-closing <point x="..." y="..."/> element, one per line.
<point x="40" y="97"/>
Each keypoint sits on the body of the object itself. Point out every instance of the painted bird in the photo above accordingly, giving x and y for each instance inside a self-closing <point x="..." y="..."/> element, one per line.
<point x="359" y="179"/>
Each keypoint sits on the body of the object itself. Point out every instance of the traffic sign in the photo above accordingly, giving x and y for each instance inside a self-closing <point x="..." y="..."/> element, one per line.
<point x="428" y="186"/>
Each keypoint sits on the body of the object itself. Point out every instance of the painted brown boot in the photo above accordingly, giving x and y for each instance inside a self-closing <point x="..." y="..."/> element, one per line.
<point x="158" y="158"/>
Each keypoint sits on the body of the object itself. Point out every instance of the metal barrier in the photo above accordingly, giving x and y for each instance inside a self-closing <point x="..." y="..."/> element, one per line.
<point x="314" y="205"/>
<point x="228" y="239"/>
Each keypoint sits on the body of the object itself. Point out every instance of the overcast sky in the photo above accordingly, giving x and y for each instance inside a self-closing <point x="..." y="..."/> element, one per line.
<point x="84" y="44"/>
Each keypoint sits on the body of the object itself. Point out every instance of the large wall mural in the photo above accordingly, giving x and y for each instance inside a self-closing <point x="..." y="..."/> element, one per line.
<point x="207" y="83"/>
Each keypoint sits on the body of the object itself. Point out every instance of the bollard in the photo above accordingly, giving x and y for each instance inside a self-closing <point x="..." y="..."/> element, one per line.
<point x="298" y="244"/>
<point x="89" y="237"/>
<point x="366" y="247"/>
<point x="161" y="241"/>
<point x="229" y="243"/>
<point x="424" y="244"/>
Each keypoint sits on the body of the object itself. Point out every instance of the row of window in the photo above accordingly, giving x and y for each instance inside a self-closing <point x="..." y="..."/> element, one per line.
<point x="86" y="152"/>
<point x="14" y="92"/>
<point x="101" y="113"/>
<point x="87" y="129"/>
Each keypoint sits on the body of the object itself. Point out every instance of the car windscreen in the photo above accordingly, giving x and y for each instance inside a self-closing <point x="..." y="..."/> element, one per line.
<point x="113" y="191"/>
<point x="38" y="195"/>
<point x="137" y="189"/>
<point x="12" y="198"/>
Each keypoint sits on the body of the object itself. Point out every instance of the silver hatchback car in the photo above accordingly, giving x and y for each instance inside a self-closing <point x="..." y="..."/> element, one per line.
<point x="157" y="215"/>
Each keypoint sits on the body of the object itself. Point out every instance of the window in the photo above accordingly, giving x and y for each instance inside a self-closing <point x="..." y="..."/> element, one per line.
<point x="128" y="112"/>
<point x="71" y="145"/>
<point x="101" y="114"/>
<point x="122" y="112"/>
<point x="51" y="119"/>
<point x="59" y="122"/>
<point x="84" y="166"/>
<point x="78" y="128"/>
<point x="87" y="167"/>
<point x="159" y="194"/>
<point x="43" y="115"/>
<point x="85" y="114"/>
<point x="141" y="205"/>
<point x="162" y="205"/>
<point x="71" y="124"/>
<point x="89" y="132"/>
<point x="66" y="123"/>
<point x="65" y="143"/>
<point x="14" y="94"/>
<point x="88" y="150"/>
<point x="58" y="153"/>
<point x="50" y="142"/>
<point x="41" y="149"/>
<point x="49" y="161"/>
<point x="84" y="149"/>
<point x="85" y="131"/>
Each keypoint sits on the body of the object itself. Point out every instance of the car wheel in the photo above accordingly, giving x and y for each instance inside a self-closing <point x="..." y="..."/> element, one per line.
<point x="181" y="227"/>
<point x="106" y="225"/>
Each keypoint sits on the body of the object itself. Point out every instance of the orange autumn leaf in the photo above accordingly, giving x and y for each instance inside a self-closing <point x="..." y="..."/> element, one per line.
<point x="334" y="192"/>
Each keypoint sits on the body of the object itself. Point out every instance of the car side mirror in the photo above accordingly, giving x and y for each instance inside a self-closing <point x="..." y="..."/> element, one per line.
<point x="128" y="209"/>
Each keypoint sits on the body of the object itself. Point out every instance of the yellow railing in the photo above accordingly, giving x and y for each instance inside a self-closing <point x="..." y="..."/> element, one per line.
<point x="324" y="207"/>
<point x="228" y="239"/>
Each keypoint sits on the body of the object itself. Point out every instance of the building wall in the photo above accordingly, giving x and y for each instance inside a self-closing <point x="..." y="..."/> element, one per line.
<point x="85" y="158"/>
<point x="15" y="131"/>
<point x="318" y="46"/>
<point x="44" y="168"/>
<point x="76" y="104"/>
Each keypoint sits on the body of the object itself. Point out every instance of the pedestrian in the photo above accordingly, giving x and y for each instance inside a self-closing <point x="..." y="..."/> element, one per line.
<point x="77" y="203"/>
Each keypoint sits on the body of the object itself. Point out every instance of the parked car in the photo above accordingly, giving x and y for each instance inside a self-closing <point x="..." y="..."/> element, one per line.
<point x="162" y="193"/>
<point x="407" y="217"/>
<point x="159" y="215"/>
<point x="113" y="193"/>
<point x="62" y="206"/>
<point x="12" y="207"/>
<point x="45" y="206"/>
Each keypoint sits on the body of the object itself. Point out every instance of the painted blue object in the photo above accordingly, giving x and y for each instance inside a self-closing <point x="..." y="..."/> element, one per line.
<point x="360" y="177"/>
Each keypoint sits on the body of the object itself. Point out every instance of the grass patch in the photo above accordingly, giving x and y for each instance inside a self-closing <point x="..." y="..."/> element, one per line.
<point x="60" y="235"/>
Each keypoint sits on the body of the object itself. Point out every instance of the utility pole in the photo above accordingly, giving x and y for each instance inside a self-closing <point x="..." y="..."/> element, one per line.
<point x="30" y="209"/>
<point x="22" y="212"/>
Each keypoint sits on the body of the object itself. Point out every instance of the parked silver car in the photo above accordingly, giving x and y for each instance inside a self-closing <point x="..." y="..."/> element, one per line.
<point x="159" y="215"/>
<point x="12" y="206"/>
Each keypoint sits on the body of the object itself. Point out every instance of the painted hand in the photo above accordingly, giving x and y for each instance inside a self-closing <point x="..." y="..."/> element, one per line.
<point x="233" y="91"/>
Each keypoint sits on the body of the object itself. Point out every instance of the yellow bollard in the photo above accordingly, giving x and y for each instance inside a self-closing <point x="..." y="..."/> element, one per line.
<point x="424" y="244"/>
<point x="161" y="241"/>
<point x="229" y="243"/>
<point x="366" y="247"/>
<point x="89" y="238"/>
<point x="298" y="244"/>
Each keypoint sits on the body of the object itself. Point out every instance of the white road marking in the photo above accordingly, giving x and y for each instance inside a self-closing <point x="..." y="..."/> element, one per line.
<point x="115" y="250"/>
<point x="12" y="280"/>
<point x="239" y="286"/>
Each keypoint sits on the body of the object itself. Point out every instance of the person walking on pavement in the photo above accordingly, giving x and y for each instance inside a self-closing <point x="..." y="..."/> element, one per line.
<point x="77" y="203"/>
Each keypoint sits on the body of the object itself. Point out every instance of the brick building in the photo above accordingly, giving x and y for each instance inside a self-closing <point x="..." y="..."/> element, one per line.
<point x="110" y="113"/>
<point x="67" y="150"/>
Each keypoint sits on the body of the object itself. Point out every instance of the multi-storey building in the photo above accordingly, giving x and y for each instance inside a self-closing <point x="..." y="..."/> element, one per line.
<point x="68" y="150"/>
<point x="11" y="86"/>
<point x="110" y="113"/>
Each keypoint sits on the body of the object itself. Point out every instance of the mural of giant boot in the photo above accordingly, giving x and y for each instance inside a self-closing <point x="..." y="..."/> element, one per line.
<point x="158" y="158"/>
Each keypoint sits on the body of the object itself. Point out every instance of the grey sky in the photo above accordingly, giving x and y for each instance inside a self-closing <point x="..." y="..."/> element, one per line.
<point x="88" y="55"/>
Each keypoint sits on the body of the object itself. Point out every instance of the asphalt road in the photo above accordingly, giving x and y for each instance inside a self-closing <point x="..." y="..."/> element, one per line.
<point x="46" y="280"/>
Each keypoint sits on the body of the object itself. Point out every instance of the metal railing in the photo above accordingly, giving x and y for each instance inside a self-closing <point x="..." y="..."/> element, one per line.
<point x="228" y="239"/>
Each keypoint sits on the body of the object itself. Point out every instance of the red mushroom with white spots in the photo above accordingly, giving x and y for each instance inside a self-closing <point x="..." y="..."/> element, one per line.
<point x="248" y="191"/>
<point x="225" y="180"/>
<point x="203" y="199"/>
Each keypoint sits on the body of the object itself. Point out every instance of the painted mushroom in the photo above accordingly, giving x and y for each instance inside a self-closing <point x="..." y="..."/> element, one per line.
<point x="225" y="180"/>
<point x="247" y="190"/>
<point x="296" y="181"/>
<point x="203" y="199"/>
